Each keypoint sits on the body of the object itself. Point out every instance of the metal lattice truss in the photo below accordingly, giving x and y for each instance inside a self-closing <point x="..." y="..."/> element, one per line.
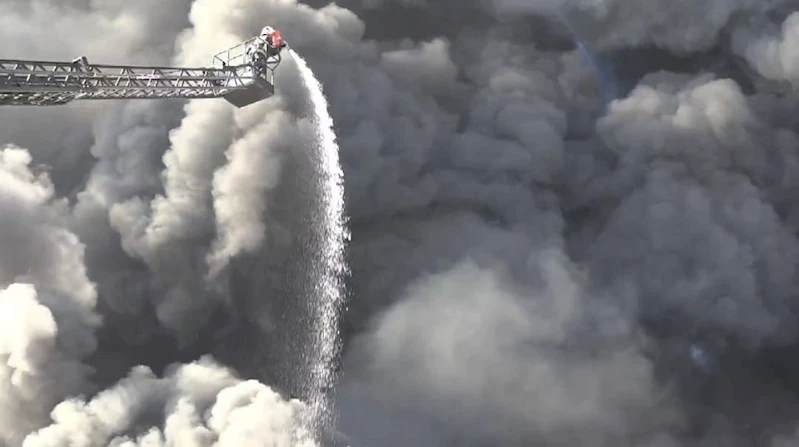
<point x="53" y="83"/>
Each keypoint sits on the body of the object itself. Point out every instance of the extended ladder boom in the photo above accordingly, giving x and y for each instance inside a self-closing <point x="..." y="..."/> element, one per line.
<point x="53" y="83"/>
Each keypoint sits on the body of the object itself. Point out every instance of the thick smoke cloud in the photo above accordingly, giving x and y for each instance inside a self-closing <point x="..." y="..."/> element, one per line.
<point x="736" y="256"/>
<point x="47" y="327"/>
<point x="528" y="268"/>
<point x="680" y="26"/>
<point x="768" y="47"/>
<point x="202" y="403"/>
<point x="156" y="250"/>
<point x="537" y="380"/>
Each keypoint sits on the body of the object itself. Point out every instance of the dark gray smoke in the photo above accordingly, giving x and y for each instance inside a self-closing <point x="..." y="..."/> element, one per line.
<point x="528" y="267"/>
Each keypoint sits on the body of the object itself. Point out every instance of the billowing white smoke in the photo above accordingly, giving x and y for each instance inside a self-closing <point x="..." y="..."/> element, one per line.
<point x="769" y="49"/>
<point x="212" y="207"/>
<point x="505" y="361"/>
<point x="48" y="323"/>
<point x="201" y="404"/>
<point x="46" y="300"/>
<point x="522" y="274"/>
<point x="218" y="170"/>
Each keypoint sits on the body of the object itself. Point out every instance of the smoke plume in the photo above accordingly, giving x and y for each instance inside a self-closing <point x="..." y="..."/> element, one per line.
<point x="530" y="265"/>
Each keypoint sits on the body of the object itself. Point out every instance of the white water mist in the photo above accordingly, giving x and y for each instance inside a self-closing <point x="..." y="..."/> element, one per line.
<point x="331" y="268"/>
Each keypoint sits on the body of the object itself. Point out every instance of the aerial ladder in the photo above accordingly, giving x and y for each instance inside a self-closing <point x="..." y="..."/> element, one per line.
<point x="233" y="76"/>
